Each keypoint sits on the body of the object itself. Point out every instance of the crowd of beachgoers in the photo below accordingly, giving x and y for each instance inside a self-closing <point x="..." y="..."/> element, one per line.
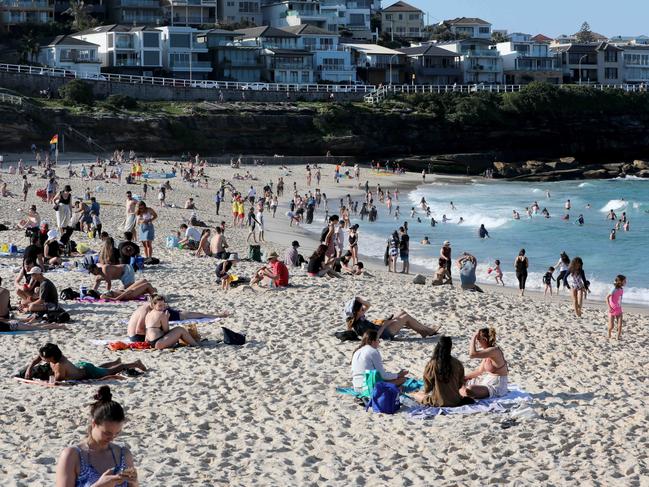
<point x="126" y="231"/>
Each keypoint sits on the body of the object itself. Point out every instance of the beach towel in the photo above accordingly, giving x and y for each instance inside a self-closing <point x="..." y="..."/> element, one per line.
<point x="514" y="397"/>
<point x="89" y="299"/>
<point x="411" y="385"/>
<point x="183" y="322"/>
<point x="18" y="332"/>
<point x="44" y="383"/>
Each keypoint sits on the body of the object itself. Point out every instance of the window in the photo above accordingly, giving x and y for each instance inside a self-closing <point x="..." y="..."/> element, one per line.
<point x="356" y="19"/>
<point x="400" y="16"/>
<point x="249" y="7"/>
<point x="484" y="30"/>
<point x="151" y="58"/>
<point x="388" y="16"/>
<point x="151" y="39"/>
<point x="230" y="3"/>
<point x="413" y="17"/>
<point x="610" y="73"/>
<point x="611" y="56"/>
<point x="326" y="43"/>
<point x="305" y="77"/>
<point x="179" y="40"/>
<point x="309" y="44"/>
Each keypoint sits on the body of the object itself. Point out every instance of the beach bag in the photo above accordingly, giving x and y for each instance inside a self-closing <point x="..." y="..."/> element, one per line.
<point x="172" y="242"/>
<point x="69" y="294"/>
<point x="151" y="261"/>
<point x="254" y="253"/>
<point x="347" y="336"/>
<point x="82" y="248"/>
<point x="232" y="337"/>
<point x="137" y="263"/>
<point x="384" y="398"/>
<point x="57" y="316"/>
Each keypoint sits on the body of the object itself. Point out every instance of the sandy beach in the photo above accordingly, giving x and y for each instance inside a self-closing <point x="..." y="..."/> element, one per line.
<point x="267" y="413"/>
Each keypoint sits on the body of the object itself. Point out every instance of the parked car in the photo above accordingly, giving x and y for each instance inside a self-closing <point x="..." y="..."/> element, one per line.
<point x="255" y="86"/>
<point x="203" y="84"/>
<point x="95" y="76"/>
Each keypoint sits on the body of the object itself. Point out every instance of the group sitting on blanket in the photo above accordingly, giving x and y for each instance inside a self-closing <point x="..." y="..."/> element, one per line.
<point x="63" y="369"/>
<point x="150" y="323"/>
<point x="445" y="383"/>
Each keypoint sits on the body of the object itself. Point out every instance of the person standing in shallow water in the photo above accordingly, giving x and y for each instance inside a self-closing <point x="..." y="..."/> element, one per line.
<point x="520" y="266"/>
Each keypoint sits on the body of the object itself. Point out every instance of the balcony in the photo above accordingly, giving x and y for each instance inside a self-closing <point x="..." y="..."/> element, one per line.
<point x="142" y="19"/>
<point x="438" y="71"/>
<point x="127" y="63"/>
<point x="481" y="53"/>
<point x="480" y="68"/>
<point x="79" y="60"/>
<point x="242" y="63"/>
<point x="124" y="44"/>
<point x="291" y="66"/>
<point x="335" y="67"/>
<point x="27" y="5"/>
<point x="140" y="3"/>
<point x="176" y="64"/>
<point x="193" y="19"/>
<point x="192" y="3"/>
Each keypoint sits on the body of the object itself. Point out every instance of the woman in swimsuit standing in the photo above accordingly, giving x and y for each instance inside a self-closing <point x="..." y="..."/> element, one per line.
<point x="62" y="208"/>
<point x="353" y="243"/>
<point x="96" y="460"/>
<point x="490" y="378"/>
<point x="158" y="333"/>
<point x="145" y="218"/>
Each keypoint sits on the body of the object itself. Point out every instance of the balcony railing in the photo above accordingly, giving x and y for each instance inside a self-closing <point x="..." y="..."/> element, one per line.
<point x="242" y="62"/>
<point x="142" y="19"/>
<point x="197" y="19"/>
<point x="191" y="3"/>
<point x="127" y="62"/>
<point x="77" y="59"/>
<point x="174" y="63"/>
<point x="26" y="5"/>
<point x="336" y="67"/>
<point x="291" y="66"/>
<point x="140" y="3"/>
<point x="481" y="53"/>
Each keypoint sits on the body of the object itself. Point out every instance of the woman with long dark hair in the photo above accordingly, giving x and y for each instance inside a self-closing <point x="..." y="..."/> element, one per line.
<point x="520" y="265"/>
<point x="443" y="378"/>
<point x="355" y="317"/>
<point x="96" y="460"/>
<point x="562" y="267"/>
<point x="577" y="279"/>
<point x="145" y="218"/>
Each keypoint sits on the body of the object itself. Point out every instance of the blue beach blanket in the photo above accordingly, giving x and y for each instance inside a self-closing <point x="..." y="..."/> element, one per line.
<point x="513" y="398"/>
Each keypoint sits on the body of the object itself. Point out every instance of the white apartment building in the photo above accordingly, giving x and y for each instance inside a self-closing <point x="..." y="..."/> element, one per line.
<point x="470" y="27"/>
<point x="402" y="20"/>
<point x="286" y="13"/>
<point x="14" y="12"/>
<point x="126" y="49"/>
<point x="182" y="55"/>
<point x="331" y="61"/>
<point x="189" y="12"/>
<point x="525" y="61"/>
<point x="239" y="11"/>
<point x="73" y="54"/>
<point x="350" y="15"/>
<point x="480" y="64"/>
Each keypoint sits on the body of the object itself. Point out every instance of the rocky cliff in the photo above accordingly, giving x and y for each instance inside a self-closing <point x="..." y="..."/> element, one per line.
<point x="351" y="130"/>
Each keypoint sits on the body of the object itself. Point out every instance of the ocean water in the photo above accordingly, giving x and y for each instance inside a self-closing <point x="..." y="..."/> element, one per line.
<point x="491" y="203"/>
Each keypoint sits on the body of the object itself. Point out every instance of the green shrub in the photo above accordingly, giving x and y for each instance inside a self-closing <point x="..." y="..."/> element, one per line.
<point x="76" y="92"/>
<point x="122" y="101"/>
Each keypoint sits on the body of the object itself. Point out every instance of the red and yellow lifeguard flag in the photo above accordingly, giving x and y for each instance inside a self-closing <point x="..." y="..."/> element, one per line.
<point x="55" y="139"/>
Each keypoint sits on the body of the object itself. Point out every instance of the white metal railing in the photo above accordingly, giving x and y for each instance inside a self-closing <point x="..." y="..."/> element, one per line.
<point x="7" y="98"/>
<point x="283" y="87"/>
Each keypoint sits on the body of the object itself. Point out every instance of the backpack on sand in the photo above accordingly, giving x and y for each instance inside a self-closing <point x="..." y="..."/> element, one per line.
<point x="385" y="398"/>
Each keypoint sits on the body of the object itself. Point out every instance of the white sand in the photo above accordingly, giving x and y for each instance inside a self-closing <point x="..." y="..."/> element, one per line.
<point x="267" y="413"/>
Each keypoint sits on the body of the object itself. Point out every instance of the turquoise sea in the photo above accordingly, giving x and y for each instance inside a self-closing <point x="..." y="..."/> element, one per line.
<point x="491" y="202"/>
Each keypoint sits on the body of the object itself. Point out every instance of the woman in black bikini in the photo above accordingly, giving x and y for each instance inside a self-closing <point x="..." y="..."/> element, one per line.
<point x="158" y="333"/>
<point x="353" y="242"/>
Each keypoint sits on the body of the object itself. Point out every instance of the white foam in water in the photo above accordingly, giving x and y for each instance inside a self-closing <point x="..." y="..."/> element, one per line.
<point x="614" y="205"/>
<point x="584" y="185"/>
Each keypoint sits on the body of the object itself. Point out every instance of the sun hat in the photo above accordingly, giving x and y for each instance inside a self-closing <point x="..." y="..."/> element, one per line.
<point x="295" y="243"/>
<point x="233" y="257"/>
<point x="447" y="243"/>
<point x="272" y="255"/>
<point x="53" y="234"/>
<point x="35" y="270"/>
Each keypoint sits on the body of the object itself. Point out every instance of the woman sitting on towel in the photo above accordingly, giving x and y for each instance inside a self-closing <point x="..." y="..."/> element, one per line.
<point x="490" y="378"/>
<point x="96" y="460"/>
<point x="367" y="357"/>
<point x="158" y="334"/>
<point x="137" y="323"/>
<point x="443" y="378"/>
<point x="355" y="316"/>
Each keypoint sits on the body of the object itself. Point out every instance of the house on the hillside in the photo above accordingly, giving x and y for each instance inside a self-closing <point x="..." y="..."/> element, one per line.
<point x="433" y="65"/>
<point x="73" y="54"/>
<point x="469" y="27"/>
<point x="402" y="20"/>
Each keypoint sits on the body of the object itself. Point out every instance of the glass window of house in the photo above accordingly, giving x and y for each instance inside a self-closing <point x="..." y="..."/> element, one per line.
<point x="151" y="39"/>
<point x="484" y="30"/>
<point x="179" y="40"/>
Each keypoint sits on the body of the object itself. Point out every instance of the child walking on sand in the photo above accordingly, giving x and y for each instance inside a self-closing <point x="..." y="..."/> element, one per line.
<point x="547" y="280"/>
<point x="614" y="301"/>
<point x="498" y="273"/>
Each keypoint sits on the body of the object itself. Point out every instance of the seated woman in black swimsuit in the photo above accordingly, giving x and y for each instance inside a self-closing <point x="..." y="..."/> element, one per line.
<point x="356" y="320"/>
<point x="158" y="333"/>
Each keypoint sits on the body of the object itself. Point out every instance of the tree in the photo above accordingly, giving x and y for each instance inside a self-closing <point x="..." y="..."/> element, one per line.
<point x="441" y="33"/>
<point x="77" y="92"/>
<point x="80" y="13"/>
<point x="585" y="35"/>
<point x="29" y="47"/>
<point x="497" y="37"/>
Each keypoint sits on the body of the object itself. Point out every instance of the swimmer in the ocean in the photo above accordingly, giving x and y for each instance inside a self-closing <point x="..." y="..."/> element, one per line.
<point x="611" y="215"/>
<point x="580" y="220"/>
<point x="482" y="232"/>
<point x="567" y="206"/>
<point x="425" y="241"/>
<point x="545" y="213"/>
<point x="461" y="220"/>
<point x="612" y="235"/>
<point x="444" y="219"/>
<point x="516" y="215"/>
<point x="547" y="194"/>
<point x="433" y="222"/>
<point x="588" y="206"/>
<point x="412" y="212"/>
<point x="453" y="206"/>
<point x="566" y="217"/>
